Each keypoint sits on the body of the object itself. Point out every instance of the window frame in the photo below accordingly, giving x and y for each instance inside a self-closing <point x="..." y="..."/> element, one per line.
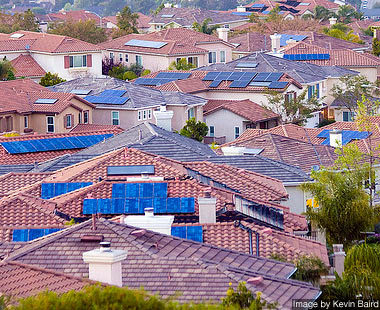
<point x="86" y="115"/>
<point x="112" y="55"/>
<point x="224" y="56"/>
<point x="68" y="124"/>
<point x="80" y="118"/>
<point x="26" y="121"/>
<point x="121" y="57"/>
<point x="212" y="132"/>
<point x="144" y="115"/>
<point x="236" y="132"/>
<point x="191" y="59"/>
<point x="191" y="113"/>
<point x="126" y="57"/>
<point x="113" y="119"/>
<point x="210" y="53"/>
<point x="52" y="124"/>
<point x="137" y="61"/>
<point x="83" y="61"/>
<point x="139" y="115"/>
<point x="149" y="113"/>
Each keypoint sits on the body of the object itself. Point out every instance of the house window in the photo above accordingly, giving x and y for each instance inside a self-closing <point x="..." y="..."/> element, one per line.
<point x="121" y="57"/>
<point x="190" y="113"/>
<point x="68" y="120"/>
<point x="212" y="57"/>
<point x="193" y="61"/>
<point x="85" y="117"/>
<point x="26" y="122"/>
<point x="222" y="56"/>
<point x="79" y="118"/>
<point x="212" y="131"/>
<point x="149" y="114"/>
<point x="115" y="118"/>
<point x="139" y="115"/>
<point x="313" y="90"/>
<point x="50" y="123"/>
<point x="8" y="123"/>
<point x="237" y="132"/>
<point x="144" y="115"/>
<point x="290" y="97"/>
<point x="139" y="60"/>
<point x="126" y="57"/>
<point x="78" y="61"/>
<point x="348" y="116"/>
<point x="111" y="56"/>
<point x="227" y="26"/>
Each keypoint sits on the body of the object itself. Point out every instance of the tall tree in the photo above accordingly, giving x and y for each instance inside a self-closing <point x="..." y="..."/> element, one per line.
<point x="127" y="20"/>
<point x="82" y="30"/>
<point x="26" y="21"/>
<point x="346" y="13"/>
<point x="205" y="27"/>
<point x="321" y="13"/>
<point x="6" y="70"/>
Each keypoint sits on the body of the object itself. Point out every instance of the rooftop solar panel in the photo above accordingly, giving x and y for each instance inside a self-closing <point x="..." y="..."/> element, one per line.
<point x="236" y="76"/>
<point x="81" y="91"/>
<point x="106" y="99"/>
<point x="266" y="12"/>
<point x="257" y="5"/>
<point x="112" y="93"/>
<point x="247" y="76"/>
<point x="167" y="15"/>
<point x="130" y="170"/>
<point x="211" y="76"/>
<point x="241" y="13"/>
<point x="223" y="76"/>
<point x="304" y="3"/>
<point x="246" y="65"/>
<point x="45" y="101"/>
<point x="144" y="43"/>
<point x="273" y="77"/>
<point x="261" y="77"/>
<point x="347" y="136"/>
<point x="239" y="84"/>
<point x="259" y="84"/>
<point x="278" y="85"/>
<point x="52" y="144"/>
<point x="215" y="83"/>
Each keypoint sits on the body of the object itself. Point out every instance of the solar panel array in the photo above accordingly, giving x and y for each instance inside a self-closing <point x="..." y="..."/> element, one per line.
<point x="163" y="78"/>
<point x="50" y="190"/>
<point x="194" y="233"/>
<point x="144" y="43"/>
<point x="53" y="144"/>
<point x="307" y="56"/>
<point x="109" y="96"/>
<point x="286" y="37"/>
<point x="347" y="136"/>
<point x="243" y="79"/>
<point x="31" y="234"/>
<point x="133" y="198"/>
<point x="257" y="5"/>
<point x="45" y="101"/>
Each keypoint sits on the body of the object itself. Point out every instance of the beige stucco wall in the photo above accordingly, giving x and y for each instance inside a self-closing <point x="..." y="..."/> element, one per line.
<point x="297" y="199"/>
<point x="369" y="73"/>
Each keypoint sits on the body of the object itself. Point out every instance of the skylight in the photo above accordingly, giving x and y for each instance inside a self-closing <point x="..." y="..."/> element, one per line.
<point x="46" y="101"/>
<point x="167" y="15"/>
<point x="130" y="170"/>
<point x="143" y="43"/>
<point x="17" y="35"/>
<point x="81" y="91"/>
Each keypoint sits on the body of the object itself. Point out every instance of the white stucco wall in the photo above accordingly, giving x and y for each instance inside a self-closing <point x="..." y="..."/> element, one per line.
<point x="297" y="199"/>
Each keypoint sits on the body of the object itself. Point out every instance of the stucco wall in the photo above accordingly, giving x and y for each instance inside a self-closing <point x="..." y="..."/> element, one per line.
<point x="297" y="199"/>
<point x="369" y="73"/>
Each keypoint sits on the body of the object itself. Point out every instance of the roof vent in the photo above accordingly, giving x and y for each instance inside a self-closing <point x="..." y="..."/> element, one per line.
<point x="91" y="238"/>
<point x="255" y="280"/>
<point x="105" y="246"/>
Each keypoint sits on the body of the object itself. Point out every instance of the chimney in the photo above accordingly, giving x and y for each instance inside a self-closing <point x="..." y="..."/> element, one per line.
<point x="223" y="33"/>
<point x="275" y="42"/>
<point x="207" y="208"/>
<point x="332" y="20"/>
<point x="335" y="138"/>
<point x="164" y="118"/>
<point x="338" y="256"/>
<point x="241" y="8"/>
<point x="158" y="223"/>
<point x="105" y="264"/>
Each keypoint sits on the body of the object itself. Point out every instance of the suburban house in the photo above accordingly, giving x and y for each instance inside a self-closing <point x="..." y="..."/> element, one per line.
<point x="125" y="104"/>
<point x="241" y="114"/>
<point x="366" y="64"/>
<point x="26" y="67"/>
<point x="288" y="9"/>
<point x="68" y="57"/>
<point x="156" y="51"/>
<point x="173" y="17"/>
<point x="36" y="109"/>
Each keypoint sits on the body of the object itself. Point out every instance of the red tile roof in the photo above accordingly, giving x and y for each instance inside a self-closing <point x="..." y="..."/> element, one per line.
<point x="96" y="128"/>
<point x="44" y="42"/>
<point x="76" y="16"/>
<point x="338" y="57"/>
<point x="245" y="108"/>
<point x="12" y="181"/>
<point x="26" y="66"/>
<point x="20" y="280"/>
<point x="178" y="41"/>
<point x="142" y="22"/>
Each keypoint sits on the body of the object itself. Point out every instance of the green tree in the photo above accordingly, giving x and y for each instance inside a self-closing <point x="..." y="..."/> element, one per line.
<point x="346" y="13"/>
<point x="205" y="27"/>
<point x="85" y="30"/>
<point x="181" y="64"/>
<point x="342" y="32"/>
<point x="309" y="269"/>
<point x="127" y="21"/>
<point x="6" y="70"/>
<point x="159" y="8"/>
<point x="321" y="13"/>
<point x="375" y="47"/>
<point x="129" y="75"/>
<point x="194" y="130"/>
<point x="26" y="21"/>
<point x="296" y="110"/>
<point x="50" y="79"/>
<point x="274" y="14"/>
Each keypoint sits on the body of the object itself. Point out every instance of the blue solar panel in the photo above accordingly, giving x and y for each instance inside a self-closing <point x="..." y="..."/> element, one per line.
<point x="113" y="92"/>
<point x="307" y="56"/>
<point x="117" y="206"/>
<point x="145" y="203"/>
<point x="118" y="190"/>
<point x="47" y="190"/>
<point x="246" y="65"/>
<point x="35" y="233"/>
<point x="31" y="234"/>
<point x="144" y="81"/>
<point x="195" y="233"/>
<point x="347" y="136"/>
<point x="90" y="206"/>
<point x="52" y="144"/>
<point x="173" y="205"/>
<point x="106" y="99"/>
<point x="133" y="190"/>
<point x="60" y="188"/>
<point x="146" y="190"/>
<point x="257" y="5"/>
<point x="161" y="190"/>
<point x="261" y="77"/>
<point x="215" y="83"/>
<point x="235" y="76"/>
<point x="45" y="101"/>
<point x="247" y="76"/>
<point x="50" y="190"/>
<point x="266" y="12"/>
<point x="259" y="84"/>
<point x="223" y="76"/>
<point x="132" y="206"/>
<point x="159" y="205"/>
<point x="144" y="43"/>
<point x="278" y="85"/>
<point x="173" y="75"/>
<point x="179" y="232"/>
<point x="241" y="13"/>
<point x="240" y="84"/>
<point x="273" y="77"/>
<point x="187" y="205"/>
<point x="20" y="235"/>
<point x="104" y="206"/>
<point x="211" y="76"/>
<point x="80" y="91"/>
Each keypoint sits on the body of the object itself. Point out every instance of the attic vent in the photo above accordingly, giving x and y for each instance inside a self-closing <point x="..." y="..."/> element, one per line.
<point x="46" y="101"/>
<point x="16" y="35"/>
<point x="130" y="170"/>
<point x="91" y="238"/>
